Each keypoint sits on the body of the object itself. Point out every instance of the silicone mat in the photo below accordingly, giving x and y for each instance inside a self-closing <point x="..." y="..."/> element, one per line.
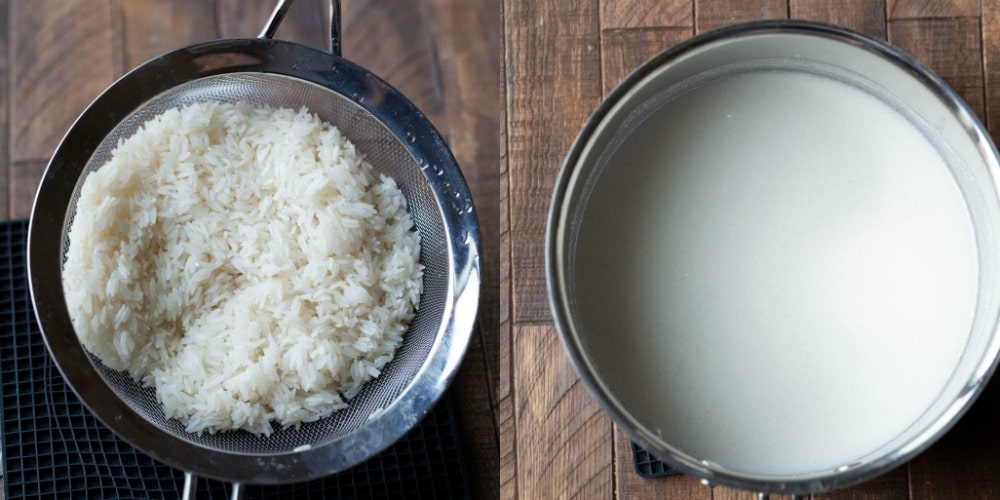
<point x="53" y="447"/>
<point x="646" y="465"/>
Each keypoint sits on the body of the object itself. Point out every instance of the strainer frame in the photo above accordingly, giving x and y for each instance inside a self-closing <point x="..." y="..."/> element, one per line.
<point x="369" y="92"/>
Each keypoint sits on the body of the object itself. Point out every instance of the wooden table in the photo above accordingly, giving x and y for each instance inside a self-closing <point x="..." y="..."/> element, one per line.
<point x="58" y="55"/>
<point x="561" y="57"/>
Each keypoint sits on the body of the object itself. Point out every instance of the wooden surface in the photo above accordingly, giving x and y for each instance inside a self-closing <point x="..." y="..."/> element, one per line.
<point x="560" y="58"/>
<point x="58" y="55"/>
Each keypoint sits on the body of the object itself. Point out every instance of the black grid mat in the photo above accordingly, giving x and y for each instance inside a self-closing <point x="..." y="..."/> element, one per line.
<point x="646" y="465"/>
<point x="53" y="447"/>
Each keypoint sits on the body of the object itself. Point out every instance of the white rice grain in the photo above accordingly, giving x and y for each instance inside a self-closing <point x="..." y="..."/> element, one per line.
<point x="244" y="261"/>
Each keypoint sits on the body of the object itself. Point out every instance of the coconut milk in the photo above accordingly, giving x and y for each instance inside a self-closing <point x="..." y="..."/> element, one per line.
<point x="777" y="272"/>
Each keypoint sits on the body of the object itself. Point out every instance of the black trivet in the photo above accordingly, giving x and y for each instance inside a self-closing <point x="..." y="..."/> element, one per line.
<point x="647" y="465"/>
<point x="54" y="447"/>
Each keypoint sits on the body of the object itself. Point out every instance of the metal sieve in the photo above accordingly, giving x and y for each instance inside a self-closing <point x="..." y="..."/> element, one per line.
<point x="395" y="137"/>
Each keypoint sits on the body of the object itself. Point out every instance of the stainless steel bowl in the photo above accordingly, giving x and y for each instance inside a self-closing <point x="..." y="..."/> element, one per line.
<point x="394" y="136"/>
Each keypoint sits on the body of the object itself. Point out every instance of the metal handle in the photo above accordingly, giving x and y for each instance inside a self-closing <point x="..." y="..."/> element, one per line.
<point x="239" y="492"/>
<point x="190" y="485"/>
<point x="335" y="27"/>
<point x="282" y="8"/>
<point x="276" y="16"/>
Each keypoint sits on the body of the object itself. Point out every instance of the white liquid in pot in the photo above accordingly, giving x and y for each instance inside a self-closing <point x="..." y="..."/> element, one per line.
<point x="777" y="273"/>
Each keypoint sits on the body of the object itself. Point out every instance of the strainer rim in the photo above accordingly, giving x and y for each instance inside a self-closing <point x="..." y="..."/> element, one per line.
<point x="366" y="90"/>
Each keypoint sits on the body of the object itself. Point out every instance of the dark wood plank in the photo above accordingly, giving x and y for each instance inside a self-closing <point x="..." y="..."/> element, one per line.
<point x="990" y="25"/>
<point x="629" y="484"/>
<point x="24" y="178"/>
<point x="565" y="439"/>
<point x="504" y="308"/>
<point x="466" y="36"/>
<point x="306" y="23"/>
<point x="911" y="9"/>
<point x="893" y="485"/>
<point x="950" y="47"/>
<point x="866" y="16"/>
<point x="63" y="55"/>
<point x="508" y="447"/>
<point x="394" y="41"/>
<point x="711" y="14"/>
<point x="476" y="417"/>
<point x="505" y="389"/>
<point x="152" y="27"/>
<point x="647" y="14"/>
<point x="554" y="82"/>
<point x="965" y="463"/>
<point x="622" y="50"/>
<point x="5" y="163"/>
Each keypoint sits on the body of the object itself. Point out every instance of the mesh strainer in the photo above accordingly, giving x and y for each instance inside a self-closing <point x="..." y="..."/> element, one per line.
<point x="397" y="140"/>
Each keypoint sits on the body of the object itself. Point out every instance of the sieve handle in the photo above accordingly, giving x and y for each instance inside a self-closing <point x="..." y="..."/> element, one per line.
<point x="276" y="16"/>
<point x="335" y="27"/>
<point x="191" y="487"/>
<point x="239" y="492"/>
<point x="282" y="8"/>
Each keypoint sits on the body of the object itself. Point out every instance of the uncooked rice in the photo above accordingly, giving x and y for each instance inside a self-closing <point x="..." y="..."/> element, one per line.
<point x="244" y="261"/>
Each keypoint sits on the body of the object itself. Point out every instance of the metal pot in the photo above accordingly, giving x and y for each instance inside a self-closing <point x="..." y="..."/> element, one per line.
<point x="868" y="65"/>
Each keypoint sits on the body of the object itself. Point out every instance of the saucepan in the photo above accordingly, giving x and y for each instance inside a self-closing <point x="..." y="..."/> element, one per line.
<point x="772" y="256"/>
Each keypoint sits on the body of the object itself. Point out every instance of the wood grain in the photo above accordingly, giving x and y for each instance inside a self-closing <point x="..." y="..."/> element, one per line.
<point x="468" y="49"/>
<point x="893" y="485"/>
<point x="476" y="416"/>
<point x="912" y="9"/>
<point x="622" y="50"/>
<point x="307" y="21"/>
<point x="467" y="43"/>
<point x="5" y="185"/>
<point x="965" y="463"/>
<point x="505" y="391"/>
<point x="866" y="16"/>
<point x="152" y="27"/>
<point x="990" y="25"/>
<point x="404" y="56"/>
<point x="24" y="178"/>
<point x="63" y="54"/>
<point x="711" y="14"/>
<point x="554" y="82"/>
<point x="950" y="47"/>
<point x="647" y="14"/>
<point x="569" y="454"/>
<point x="508" y="447"/>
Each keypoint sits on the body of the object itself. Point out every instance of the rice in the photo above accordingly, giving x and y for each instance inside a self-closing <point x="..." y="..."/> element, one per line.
<point x="246" y="262"/>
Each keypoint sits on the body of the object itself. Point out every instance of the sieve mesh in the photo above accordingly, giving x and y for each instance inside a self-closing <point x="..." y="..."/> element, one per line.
<point x="387" y="154"/>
